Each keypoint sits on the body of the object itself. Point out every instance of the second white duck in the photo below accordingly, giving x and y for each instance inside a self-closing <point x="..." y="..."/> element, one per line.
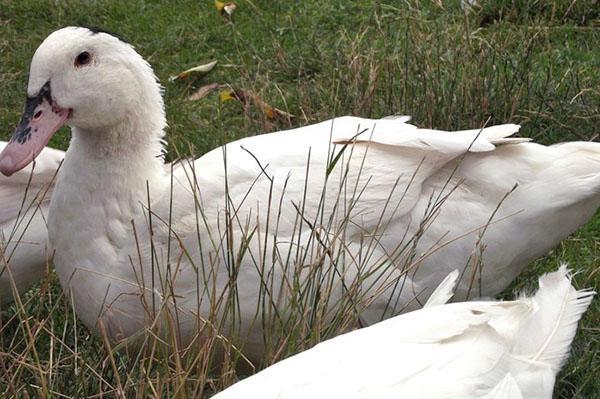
<point x="24" y="201"/>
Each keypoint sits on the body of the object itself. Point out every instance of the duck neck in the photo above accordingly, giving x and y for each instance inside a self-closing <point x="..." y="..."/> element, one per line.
<point x="118" y="160"/>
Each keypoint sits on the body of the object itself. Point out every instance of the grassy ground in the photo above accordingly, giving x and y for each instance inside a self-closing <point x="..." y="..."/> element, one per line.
<point x="534" y="63"/>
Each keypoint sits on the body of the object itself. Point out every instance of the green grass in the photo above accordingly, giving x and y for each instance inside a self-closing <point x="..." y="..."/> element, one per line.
<point x="534" y="63"/>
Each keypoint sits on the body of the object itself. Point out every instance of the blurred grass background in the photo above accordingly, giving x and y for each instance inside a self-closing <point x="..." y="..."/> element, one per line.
<point x="536" y="63"/>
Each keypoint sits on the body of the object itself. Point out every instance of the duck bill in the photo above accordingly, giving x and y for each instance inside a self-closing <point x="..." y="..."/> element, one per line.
<point x="41" y="118"/>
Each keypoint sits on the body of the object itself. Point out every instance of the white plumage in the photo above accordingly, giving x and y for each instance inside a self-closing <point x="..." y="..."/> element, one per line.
<point x="24" y="199"/>
<point x="444" y="291"/>
<point x="487" y="350"/>
<point x="402" y="207"/>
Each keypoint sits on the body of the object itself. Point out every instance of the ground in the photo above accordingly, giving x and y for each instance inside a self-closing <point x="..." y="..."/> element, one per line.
<point x="532" y="63"/>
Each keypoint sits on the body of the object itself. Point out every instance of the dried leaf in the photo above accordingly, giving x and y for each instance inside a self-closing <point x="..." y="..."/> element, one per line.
<point x="204" y="91"/>
<point x="245" y="97"/>
<point x="270" y="111"/>
<point x="226" y="9"/>
<point x="200" y="69"/>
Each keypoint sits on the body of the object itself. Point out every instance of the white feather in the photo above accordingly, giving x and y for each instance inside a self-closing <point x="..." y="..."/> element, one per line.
<point x="399" y="118"/>
<point x="508" y="388"/>
<point x="444" y="291"/>
<point x="458" y="350"/>
<point x="547" y="334"/>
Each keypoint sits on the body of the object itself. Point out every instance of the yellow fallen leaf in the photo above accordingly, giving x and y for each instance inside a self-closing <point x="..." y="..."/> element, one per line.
<point x="200" y="69"/>
<point x="226" y="95"/>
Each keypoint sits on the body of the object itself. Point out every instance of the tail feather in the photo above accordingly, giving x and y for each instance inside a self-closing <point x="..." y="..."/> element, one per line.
<point x="511" y="140"/>
<point x="497" y="135"/>
<point x="547" y="334"/>
<point x="444" y="291"/>
<point x="500" y="134"/>
<point x="399" y="118"/>
<point x="493" y="134"/>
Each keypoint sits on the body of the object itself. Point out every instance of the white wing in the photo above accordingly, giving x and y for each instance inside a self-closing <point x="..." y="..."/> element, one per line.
<point x="387" y="162"/>
<point x="374" y="172"/>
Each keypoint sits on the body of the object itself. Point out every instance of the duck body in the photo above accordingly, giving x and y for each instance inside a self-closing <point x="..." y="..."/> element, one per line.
<point x="249" y="172"/>
<point x="470" y="350"/>
<point x="338" y="202"/>
<point x="275" y="165"/>
<point x="25" y="199"/>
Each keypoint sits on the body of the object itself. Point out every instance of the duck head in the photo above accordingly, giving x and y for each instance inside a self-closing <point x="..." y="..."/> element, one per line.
<point x="84" y="78"/>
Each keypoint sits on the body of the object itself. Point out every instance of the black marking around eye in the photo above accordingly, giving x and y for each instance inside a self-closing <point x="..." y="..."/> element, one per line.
<point x="22" y="133"/>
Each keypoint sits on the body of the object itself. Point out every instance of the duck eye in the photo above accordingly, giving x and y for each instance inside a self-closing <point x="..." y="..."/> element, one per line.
<point x="83" y="59"/>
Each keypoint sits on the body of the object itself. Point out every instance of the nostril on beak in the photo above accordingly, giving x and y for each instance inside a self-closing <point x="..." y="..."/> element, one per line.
<point x="38" y="114"/>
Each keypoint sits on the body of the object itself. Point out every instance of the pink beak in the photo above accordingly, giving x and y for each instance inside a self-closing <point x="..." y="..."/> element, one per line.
<point x="41" y="118"/>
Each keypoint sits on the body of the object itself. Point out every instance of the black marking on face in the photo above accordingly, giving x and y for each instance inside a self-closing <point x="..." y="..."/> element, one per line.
<point x="22" y="133"/>
<point x="95" y="30"/>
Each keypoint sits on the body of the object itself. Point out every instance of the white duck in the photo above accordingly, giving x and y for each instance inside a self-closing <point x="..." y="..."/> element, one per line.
<point x="268" y="224"/>
<point x="25" y="198"/>
<point x="467" y="350"/>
